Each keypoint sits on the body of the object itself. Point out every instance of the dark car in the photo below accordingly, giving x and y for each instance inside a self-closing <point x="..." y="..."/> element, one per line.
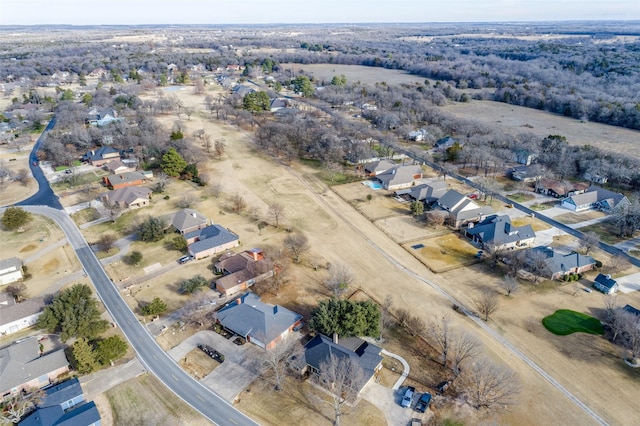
<point x="407" y="399"/>
<point x="185" y="259"/>
<point x="211" y="352"/>
<point x="423" y="402"/>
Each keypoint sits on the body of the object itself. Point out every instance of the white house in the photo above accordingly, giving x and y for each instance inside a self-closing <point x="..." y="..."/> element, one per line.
<point x="10" y="270"/>
<point x="18" y="316"/>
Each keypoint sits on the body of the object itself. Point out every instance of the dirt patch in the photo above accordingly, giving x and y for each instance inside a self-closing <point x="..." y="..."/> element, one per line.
<point x="27" y="248"/>
<point x="144" y="400"/>
<point x="198" y="364"/>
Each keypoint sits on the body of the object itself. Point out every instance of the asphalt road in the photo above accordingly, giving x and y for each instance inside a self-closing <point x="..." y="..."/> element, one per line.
<point x="207" y="402"/>
<point x="45" y="195"/>
<point x="152" y="356"/>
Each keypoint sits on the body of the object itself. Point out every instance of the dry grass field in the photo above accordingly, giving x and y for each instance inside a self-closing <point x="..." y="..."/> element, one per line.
<point x="444" y="252"/>
<point x="536" y="224"/>
<point x="515" y="120"/>
<point x="571" y="218"/>
<point x="198" y="364"/>
<point x="354" y="73"/>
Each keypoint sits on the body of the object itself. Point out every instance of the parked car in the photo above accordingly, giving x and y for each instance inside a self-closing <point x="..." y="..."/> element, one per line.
<point x="587" y="289"/>
<point x="423" y="402"/>
<point x="211" y="352"/>
<point x="407" y="399"/>
<point x="185" y="259"/>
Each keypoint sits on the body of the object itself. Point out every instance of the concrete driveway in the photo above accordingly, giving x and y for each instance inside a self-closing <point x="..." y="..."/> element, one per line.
<point x="241" y="366"/>
<point x="388" y="401"/>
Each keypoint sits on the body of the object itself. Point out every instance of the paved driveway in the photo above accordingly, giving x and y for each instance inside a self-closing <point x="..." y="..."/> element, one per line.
<point x="629" y="283"/>
<point x="388" y="401"/>
<point x="241" y="366"/>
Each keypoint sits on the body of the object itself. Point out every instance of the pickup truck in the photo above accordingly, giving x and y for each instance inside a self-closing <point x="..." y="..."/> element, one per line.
<point x="423" y="402"/>
<point x="407" y="399"/>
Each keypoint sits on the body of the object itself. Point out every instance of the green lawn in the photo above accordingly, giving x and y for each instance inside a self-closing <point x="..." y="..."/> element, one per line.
<point x="564" y="322"/>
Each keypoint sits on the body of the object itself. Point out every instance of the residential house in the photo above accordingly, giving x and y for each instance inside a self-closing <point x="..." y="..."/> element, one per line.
<point x="376" y="167"/>
<point x="241" y="271"/>
<point x="102" y="117"/>
<point x="524" y="157"/>
<point x="278" y="104"/>
<point x="556" y="189"/>
<point x="98" y="72"/>
<point x="10" y="270"/>
<point x="123" y="180"/>
<point x="462" y="210"/>
<point x="242" y="90"/>
<point x="400" y="177"/>
<point x="188" y="220"/>
<point x="427" y="192"/>
<point x="632" y="310"/>
<point x="595" y="198"/>
<point x="64" y="404"/>
<point x="595" y="178"/>
<point x="260" y="323"/>
<point x="131" y="197"/>
<point x="417" y="135"/>
<point x="526" y="173"/>
<point x="497" y="233"/>
<point x="117" y="166"/>
<point x="18" y="316"/>
<point x="100" y="156"/>
<point x="558" y="265"/>
<point x="443" y="143"/>
<point x="605" y="284"/>
<point x="319" y="350"/>
<point x="210" y="240"/>
<point x="23" y="367"/>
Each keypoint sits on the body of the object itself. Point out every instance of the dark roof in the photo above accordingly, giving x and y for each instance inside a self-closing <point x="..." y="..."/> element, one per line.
<point x="605" y="281"/>
<point x="187" y="218"/>
<point x="631" y="310"/>
<point x="445" y="142"/>
<point x="557" y="262"/>
<point x="498" y="230"/>
<point x="60" y="393"/>
<point x="210" y="237"/>
<point x="262" y="321"/>
<point x="100" y="153"/>
<point x="82" y="415"/>
<point x="319" y="350"/>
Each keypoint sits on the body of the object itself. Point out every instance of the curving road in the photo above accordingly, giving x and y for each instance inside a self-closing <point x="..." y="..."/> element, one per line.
<point x="155" y="360"/>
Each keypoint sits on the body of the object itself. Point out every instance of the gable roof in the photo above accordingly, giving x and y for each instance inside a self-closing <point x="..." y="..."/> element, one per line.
<point x="605" y="281"/>
<point x="120" y="178"/>
<point x="445" y="142"/>
<point x="631" y="310"/>
<point x="114" y="165"/>
<point x="21" y="362"/>
<point x="17" y="311"/>
<point x="262" y="321"/>
<point x="366" y="355"/>
<point x="187" y="218"/>
<point x="557" y="262"/>
<point x="597" y="194"/>
<point x="377" y="167"/>
<point x="498" y="230"/>
<point x="9" y="265"/>
<point x="399" y="174"/>
<point x="101" y="153"/>
<point x="83" y="415"/>
<point x="210" y="237"/>
<point x="451" y="199"/>
<point x="428" y="192"/>
<point x="128" y="194"/>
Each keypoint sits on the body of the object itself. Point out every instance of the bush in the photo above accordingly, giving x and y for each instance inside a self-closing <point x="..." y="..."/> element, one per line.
<point x="598" y="264"/>
<point x="166" y="197"/>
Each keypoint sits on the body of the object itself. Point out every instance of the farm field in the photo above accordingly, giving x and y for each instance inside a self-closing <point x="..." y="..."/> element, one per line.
<point x="515" y="120"/>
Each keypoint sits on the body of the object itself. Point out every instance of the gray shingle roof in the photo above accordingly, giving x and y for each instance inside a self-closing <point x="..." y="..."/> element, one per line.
<point x="21" y="362"/>
<point x="379" y="166"/>
<point x="557" y="262"/>
<point x="399" y="175"/>
<point x="428" y="192"/>
<point x="210" y="237"/>
<point x="261" y="321"/>
<point x="450" y="199"/>
<point x="128" y="194"/>
<point x="319" y="350"/>
<point x="187" y="218"/>
<point x="21" y="310"/>
<point x="126" y="177"/>
<point x="597" y="194"/>
<point x="12" y="263"/>
<point x="498" y="230"/>
<point x="83" y="415"/>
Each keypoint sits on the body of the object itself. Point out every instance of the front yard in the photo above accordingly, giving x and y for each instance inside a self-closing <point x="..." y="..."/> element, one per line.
<point x="443" y="253"/>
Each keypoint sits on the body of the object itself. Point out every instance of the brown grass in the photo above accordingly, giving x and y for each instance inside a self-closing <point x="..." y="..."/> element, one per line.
<point x="571" y="218"/>
<point x="198" y="364"/>
<point x="536" y="224"/>
<point x="444" y="252"/>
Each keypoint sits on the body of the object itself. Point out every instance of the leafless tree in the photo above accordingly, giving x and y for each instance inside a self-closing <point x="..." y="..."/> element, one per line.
<point x="440" y="335"/>
<point x="23" y="176"/>
<point x="189" y="112"/>
<point x="276" y="358"/>
<point x="487" y="303"/>
<point x="617" y="264"/>
<point x="487" y="385"/>
<point x="186" y="201"/>
<point x="436" y="217"/>
<point x="276" y="211"/>
<point x="631" y="326"/>
<point x="415" y="325"/>
<point x="463" y="346"/>
<point x="342" y="377"/>
<point x="238" y="204"/>
<point x="216" y="189"/>
<point x="538" y="265"/>
<point x="106" y="242"/>
<point x="219" y="147"/>
<point x="339" y="280"/>
<point x="198" y="86"/>
<point x="16" y="406"/>
<point x="510" y="284"/>
<point x="575" y="288"/>
<point x="114" y="211"/>
<point x="17" y="290"/>
<point x="161" y="182"/>
<point x="387" y="316"/>
<point x="206" y="142"/>
<point x="589" y="241"/>
<point x="281" y="265"/>
<point x="297" y="244"/>
<point x="493" y="254"/>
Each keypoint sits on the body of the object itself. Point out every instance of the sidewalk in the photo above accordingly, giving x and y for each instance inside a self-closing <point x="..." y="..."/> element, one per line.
<point x="101" y="381"/>
<point x="44" y="251"/>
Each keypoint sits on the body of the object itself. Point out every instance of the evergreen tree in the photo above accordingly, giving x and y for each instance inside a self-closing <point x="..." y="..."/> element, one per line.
<point x="110" y="349"/>
<point x="14" y="218"/>
<point x="346" y="318"/>
<point x="84" y="357"/>
<point x="172" y="163"/>
<point x="152" y="229"/>
<point x="156" y="307"/>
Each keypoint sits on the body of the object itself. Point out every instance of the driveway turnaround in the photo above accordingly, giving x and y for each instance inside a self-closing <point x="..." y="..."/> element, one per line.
<point x="152" y="357"/>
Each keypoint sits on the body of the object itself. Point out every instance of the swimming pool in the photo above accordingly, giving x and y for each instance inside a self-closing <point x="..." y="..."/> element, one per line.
<point x="373" y="185"/>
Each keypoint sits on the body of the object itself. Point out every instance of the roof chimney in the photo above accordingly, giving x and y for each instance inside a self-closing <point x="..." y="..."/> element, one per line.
<point x="93" y="152"/>
<point x="335" y="338"/>
<point x="193" y="214"/>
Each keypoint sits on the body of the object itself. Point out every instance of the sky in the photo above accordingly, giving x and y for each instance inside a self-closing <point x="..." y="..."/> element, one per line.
<point x="212" y="12"/>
